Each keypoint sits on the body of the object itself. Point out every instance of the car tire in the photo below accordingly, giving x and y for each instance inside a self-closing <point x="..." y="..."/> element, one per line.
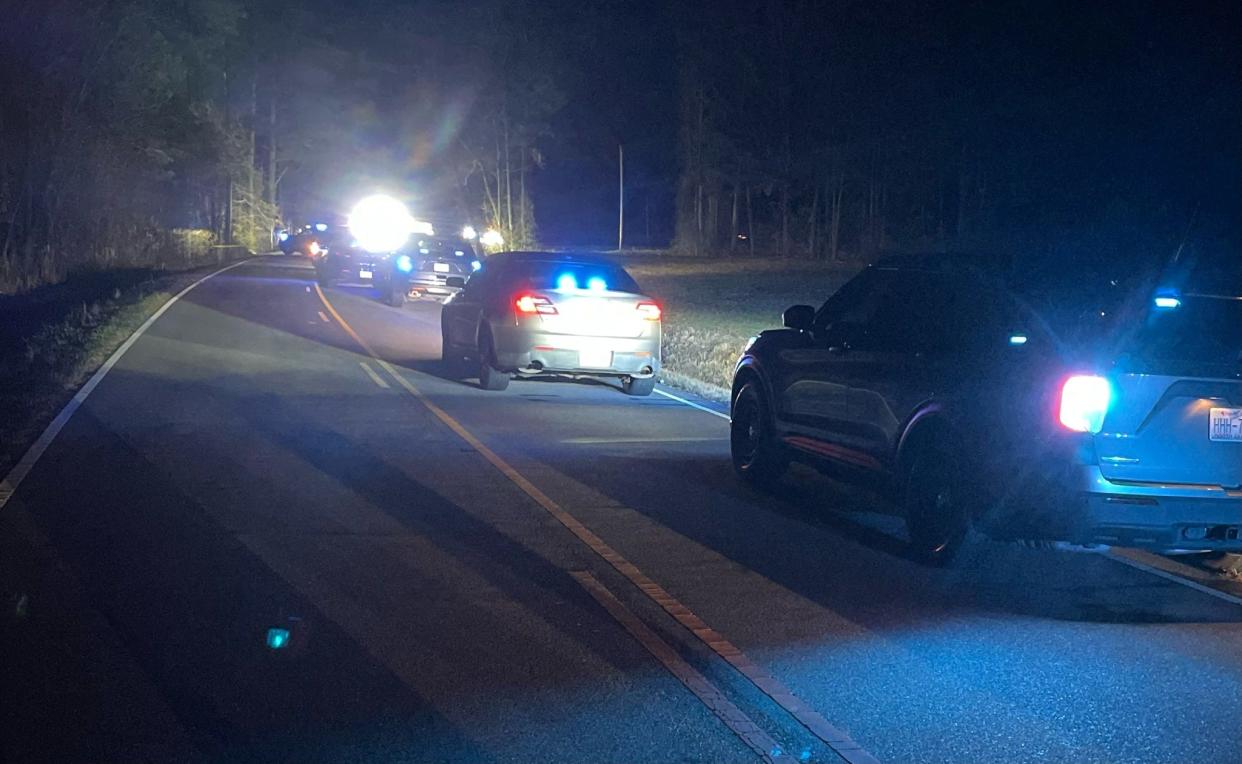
<point x="935" y="505"/>
<point x="490" y="378"/>
<point x="758" y="458"/>
<point x="324" y="279"/>
<point x="394" y="292"/>
<point x="451" y="357"/>
<point x="638" y="387"/>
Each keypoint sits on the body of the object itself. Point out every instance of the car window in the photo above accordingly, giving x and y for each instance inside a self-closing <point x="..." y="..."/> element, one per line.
<point x="447" y="248"/>
<point x="551" y="274"/>
<point x="914" y="311"/>
<point x="855" y="302"/>
<point x="1202" y="333"/>
<point x="478" y="282"/>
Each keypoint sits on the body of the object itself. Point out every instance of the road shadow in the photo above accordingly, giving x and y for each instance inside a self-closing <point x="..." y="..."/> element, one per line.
<point x="192" y="606"/>
<point x="807" y="514"/>
<point x="1003" y="578"/>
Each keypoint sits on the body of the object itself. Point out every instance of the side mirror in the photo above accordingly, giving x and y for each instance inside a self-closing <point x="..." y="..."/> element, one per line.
<point x="456" y="282"/>
<point x="800" y="317"/>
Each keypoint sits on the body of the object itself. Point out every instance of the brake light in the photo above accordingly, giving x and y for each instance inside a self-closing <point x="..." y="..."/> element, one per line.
<point x="532" y="304"/>
<point x="1084" y="403"/>
<point x="649" y="311"/>
<point x="314" y="248"/>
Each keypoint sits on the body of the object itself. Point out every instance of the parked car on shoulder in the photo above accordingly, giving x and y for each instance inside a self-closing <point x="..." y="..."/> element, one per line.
<point x="530" y="314"/>
<point x="926" y="377"/>
<point x="438" y="260"/>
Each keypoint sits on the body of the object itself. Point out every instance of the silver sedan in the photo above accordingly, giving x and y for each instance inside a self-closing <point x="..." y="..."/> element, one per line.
<point x="541" y="313"/>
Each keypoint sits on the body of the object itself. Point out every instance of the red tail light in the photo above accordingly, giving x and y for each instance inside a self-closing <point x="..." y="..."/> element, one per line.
<point x="649" y="311"/>
<point x="532" y="304"/>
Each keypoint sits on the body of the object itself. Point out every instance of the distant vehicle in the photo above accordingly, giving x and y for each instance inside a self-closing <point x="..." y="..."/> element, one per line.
<point x="386" y="272"/>
<point x="926" y="379"/>
<point x="538" y="313"/>
<point x="439" y="259"/>
<point x="307" y="240"/>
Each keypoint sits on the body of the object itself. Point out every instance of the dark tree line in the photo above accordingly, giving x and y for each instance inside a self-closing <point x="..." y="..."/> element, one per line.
<point x="113" y="130"/>
<point x="840" y="130"/>
<point x="123" y="123"/>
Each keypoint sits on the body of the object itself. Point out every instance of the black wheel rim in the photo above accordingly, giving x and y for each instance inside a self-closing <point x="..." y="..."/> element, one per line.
<point x="747" y="431"/>
<point x="937" y="505"/>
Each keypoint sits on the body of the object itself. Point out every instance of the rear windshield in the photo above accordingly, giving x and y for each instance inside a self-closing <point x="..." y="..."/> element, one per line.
<point x="445" y="248"/>
<point x="563" y="275"/>
<point x="1203" y="333"/>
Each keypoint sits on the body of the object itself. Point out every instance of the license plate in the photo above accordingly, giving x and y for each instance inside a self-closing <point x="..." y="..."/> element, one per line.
<point x="365" y="274"/>
<point x="440" y="267"/>
<point x="1226" y="425"/>
<point x="595" y="359"/>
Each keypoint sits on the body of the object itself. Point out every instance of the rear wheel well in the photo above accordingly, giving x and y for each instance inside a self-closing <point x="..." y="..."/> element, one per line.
<point x="744" y="376"/>
<point x="923" y="433"/>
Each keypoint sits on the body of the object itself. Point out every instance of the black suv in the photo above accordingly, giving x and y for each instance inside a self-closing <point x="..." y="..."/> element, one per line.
<point x="923" y="377"/>
<point x="439" y="259"/>
<point x="389" y="273"/>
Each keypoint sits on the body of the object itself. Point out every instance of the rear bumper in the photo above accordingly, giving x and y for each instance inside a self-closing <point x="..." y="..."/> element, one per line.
<point x="433" y="283"/>
<point x="521" y="350"/>
<point x="1159" y="516"/>
<point x="1062" y="495"/>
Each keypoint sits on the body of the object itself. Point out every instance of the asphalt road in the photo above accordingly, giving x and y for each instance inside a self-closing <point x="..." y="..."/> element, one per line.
<point x="557" y="572"/>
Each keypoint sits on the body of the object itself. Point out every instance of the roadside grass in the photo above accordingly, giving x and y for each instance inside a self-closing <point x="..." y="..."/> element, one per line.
<point x="50" y="344"/>
<point x="712" y="307"/>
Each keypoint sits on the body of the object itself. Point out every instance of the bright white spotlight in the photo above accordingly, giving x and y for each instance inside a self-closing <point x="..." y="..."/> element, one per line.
<point x="380" y="223"/>
<point x="492" y="238"/>
<point x="468" y="233"/>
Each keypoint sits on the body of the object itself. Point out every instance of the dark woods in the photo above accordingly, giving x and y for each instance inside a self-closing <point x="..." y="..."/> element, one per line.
<point x="133" y="131"/>
<point x="1060" y="132"/>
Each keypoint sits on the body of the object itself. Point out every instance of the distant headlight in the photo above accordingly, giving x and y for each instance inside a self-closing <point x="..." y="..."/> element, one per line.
<point x="492" y="239"/>
<point x="381" y="223"/>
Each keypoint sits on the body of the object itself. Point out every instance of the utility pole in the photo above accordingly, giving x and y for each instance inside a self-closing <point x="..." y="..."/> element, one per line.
<point x="271" y="149"/>
<point x="228" y="127"/>
<point x="621" y="197"/>
<point x="250" y="166"/>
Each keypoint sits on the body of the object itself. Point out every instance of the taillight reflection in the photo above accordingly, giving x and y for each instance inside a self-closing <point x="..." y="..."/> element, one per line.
<point x="649" y="311"/>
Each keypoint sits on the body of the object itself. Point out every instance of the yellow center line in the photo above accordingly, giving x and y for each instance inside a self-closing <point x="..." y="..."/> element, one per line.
<point x="711" y="696"/>
<point x="840" y="742"/>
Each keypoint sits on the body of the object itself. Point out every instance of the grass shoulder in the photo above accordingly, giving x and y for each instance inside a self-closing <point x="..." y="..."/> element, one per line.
<point x="54" y="338"/>
<point x="712" y="306"/>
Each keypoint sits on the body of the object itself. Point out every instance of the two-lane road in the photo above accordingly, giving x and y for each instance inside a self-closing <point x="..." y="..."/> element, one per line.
<point x="557" y="572"/>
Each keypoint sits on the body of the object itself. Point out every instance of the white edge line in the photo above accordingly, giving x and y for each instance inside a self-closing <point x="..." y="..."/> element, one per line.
<point x="18" y="473"/>
<point x="693" y="405"/>
<point x="1175" y="578"/>
<point x="1117" y="558"/>
<point x="375" y="377"/>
